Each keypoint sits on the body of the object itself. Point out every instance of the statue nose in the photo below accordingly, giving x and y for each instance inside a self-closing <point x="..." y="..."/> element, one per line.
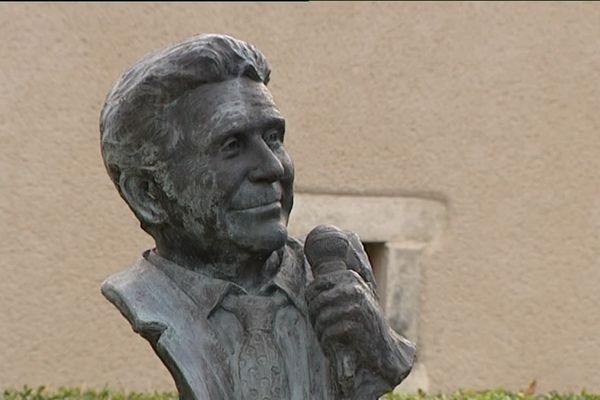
<point x="268" y="167"/>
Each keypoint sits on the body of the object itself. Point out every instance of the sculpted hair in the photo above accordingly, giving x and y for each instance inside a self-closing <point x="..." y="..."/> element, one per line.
<point x="135" y="133"/>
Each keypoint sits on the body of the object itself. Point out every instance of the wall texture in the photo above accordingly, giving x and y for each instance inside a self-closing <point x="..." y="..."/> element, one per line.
<point x="491" y="109"/>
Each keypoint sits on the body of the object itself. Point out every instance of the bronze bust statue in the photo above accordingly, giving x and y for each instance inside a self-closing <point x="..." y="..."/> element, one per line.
<point x="233" y="306"/>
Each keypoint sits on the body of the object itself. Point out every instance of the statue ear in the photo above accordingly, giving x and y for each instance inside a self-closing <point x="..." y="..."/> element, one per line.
<point x="141" y="193"/>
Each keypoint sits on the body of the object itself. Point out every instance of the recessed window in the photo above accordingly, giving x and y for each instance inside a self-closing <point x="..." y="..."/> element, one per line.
<point x="377" y="257"/>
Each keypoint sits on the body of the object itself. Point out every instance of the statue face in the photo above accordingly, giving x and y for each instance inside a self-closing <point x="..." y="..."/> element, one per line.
<point x="231" y="178"/>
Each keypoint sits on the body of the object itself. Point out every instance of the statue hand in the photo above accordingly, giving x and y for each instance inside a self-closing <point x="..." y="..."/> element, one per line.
<point x="367" y="356"/>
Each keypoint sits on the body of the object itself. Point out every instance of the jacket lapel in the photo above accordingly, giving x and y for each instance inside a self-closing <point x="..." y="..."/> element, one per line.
<point x="176" y="328"/>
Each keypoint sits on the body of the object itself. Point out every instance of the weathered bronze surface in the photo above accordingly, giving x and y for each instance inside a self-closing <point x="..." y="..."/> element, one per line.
<point x="194" y="143"/>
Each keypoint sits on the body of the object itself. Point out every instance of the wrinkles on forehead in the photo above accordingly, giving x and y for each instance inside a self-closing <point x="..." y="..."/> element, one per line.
<point x="215" y="109"/>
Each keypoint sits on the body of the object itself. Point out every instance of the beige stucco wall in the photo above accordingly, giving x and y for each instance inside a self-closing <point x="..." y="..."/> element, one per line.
<point x="491" y="109"/>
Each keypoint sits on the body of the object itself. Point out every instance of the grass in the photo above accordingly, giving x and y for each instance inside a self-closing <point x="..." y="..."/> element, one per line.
<point x="43" y="393"/>
<point x="498" y="394"/>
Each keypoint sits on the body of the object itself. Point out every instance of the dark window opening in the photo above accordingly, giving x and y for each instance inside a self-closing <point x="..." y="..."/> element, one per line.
<point x="377" y="257"/>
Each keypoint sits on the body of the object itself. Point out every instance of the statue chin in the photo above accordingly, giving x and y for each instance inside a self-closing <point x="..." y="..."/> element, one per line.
<point x="263" y="239"/>
<point x="260" y="231"/>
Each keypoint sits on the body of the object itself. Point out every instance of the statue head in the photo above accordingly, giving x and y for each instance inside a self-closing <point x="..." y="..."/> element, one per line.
<point x="193" y="141"/>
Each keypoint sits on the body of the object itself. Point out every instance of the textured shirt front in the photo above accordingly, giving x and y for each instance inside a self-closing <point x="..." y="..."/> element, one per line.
<point x="291" y="364"/>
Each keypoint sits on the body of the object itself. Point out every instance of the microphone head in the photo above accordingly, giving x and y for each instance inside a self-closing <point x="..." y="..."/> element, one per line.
<point x="325" y="243"/>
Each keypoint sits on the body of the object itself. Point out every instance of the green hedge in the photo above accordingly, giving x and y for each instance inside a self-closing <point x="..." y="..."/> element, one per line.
<point x="498" y="394"/>
<point x="42" y="393"/>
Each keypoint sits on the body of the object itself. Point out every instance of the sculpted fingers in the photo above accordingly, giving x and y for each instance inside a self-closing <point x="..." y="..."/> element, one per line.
<point x="345" y="300"/>
<point x="342" y="332"/>
<point x="321" y="284"/>
<point x="327" y="288"/>
<point x="339" y="312"/>
<point x="328" y="281"/>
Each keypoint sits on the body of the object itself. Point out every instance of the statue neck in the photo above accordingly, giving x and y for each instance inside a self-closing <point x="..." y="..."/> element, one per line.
<point x="250" y="271"/>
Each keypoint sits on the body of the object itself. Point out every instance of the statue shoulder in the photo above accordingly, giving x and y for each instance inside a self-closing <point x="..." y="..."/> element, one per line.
<point x="145" y="296"/>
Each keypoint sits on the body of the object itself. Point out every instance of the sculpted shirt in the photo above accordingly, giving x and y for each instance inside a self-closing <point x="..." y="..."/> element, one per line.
<point x="192" y="320"/>
<point x="304" y="369"/>
<point x="219" y="342"/>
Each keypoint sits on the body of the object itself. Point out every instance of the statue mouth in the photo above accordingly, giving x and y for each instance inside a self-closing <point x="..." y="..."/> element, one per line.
<point x="257" y="200"/>
<point x="260" y="208"/>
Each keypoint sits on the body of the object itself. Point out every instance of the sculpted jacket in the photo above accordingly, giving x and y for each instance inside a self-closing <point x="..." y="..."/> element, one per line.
<point x="196" y="327"/>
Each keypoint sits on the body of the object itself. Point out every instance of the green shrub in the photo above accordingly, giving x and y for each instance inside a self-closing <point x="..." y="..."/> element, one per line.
<point x="498" y="394"/>
<point x="42" y="393"/>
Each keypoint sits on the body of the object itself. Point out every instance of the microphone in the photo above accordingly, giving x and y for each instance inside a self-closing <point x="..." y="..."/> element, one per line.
<point x="326" y="248"/>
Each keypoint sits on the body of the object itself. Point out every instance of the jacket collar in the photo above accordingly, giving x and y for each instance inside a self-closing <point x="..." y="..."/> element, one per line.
<point x="208" y="291"/>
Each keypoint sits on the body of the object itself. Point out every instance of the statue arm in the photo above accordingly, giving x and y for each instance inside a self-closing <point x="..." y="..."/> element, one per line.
<point x="394" y="364"/>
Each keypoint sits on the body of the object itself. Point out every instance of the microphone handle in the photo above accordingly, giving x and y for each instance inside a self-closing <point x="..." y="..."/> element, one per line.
<point x="344" y="358"/>
<point x="345" y="367"/>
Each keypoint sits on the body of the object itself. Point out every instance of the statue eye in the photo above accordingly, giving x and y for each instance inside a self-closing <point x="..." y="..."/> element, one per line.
<point x="231" y="146"/>
<point x="274" y="138"/>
